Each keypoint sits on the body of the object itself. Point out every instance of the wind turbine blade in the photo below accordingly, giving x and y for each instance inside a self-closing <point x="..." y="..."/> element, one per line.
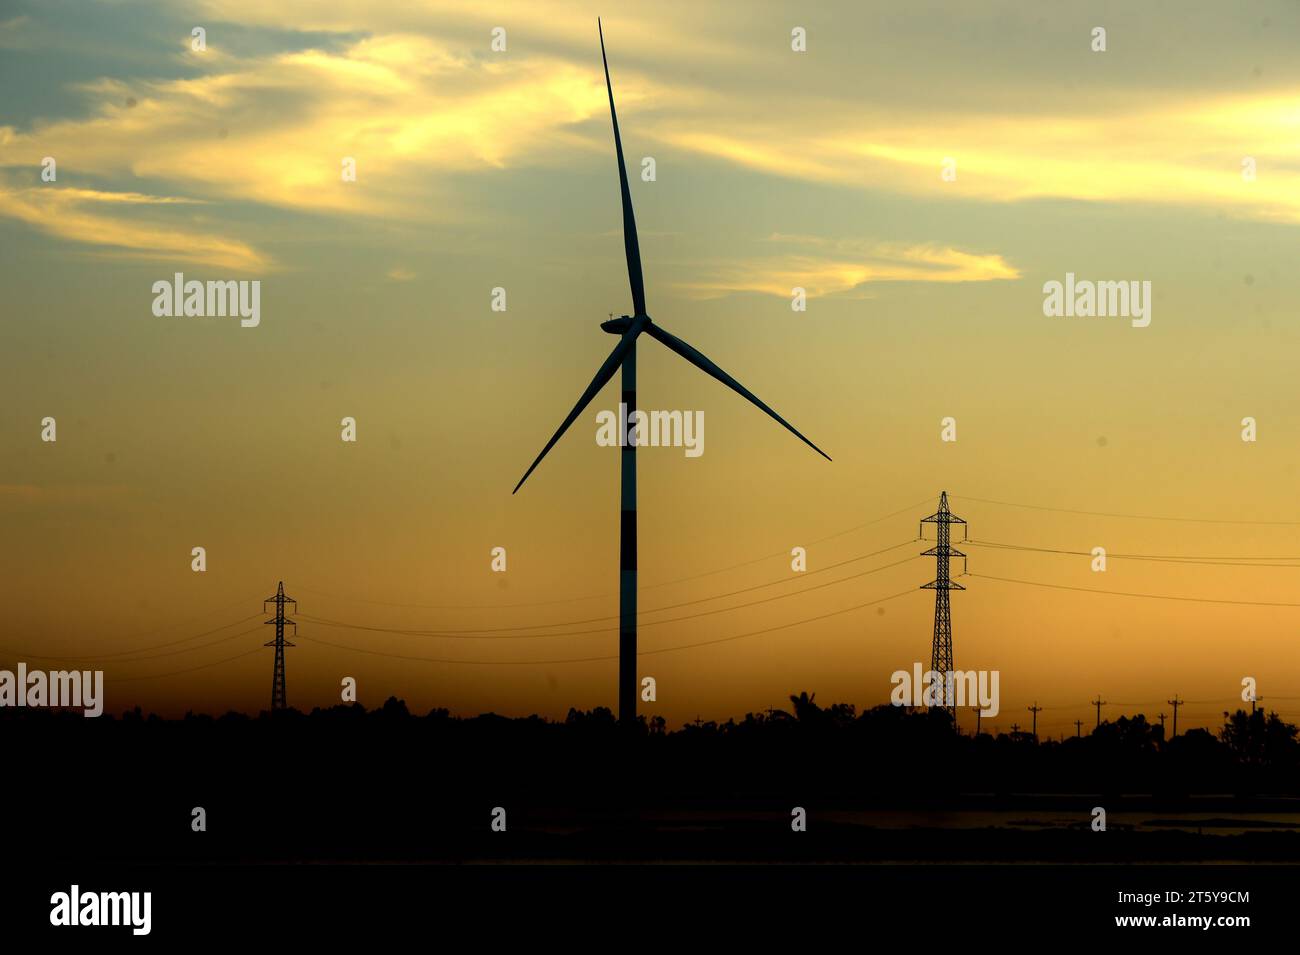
<point x="701" y="362"/>
<point x="603" y="376"/>
<point x="631" y="246"/>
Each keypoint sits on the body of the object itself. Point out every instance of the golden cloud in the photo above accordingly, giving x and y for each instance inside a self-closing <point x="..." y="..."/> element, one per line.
<point x="1178" y="152"/>
<point x="839" y="267"/>
<point x="76" y="214"/>
<point x="275" y="130"/>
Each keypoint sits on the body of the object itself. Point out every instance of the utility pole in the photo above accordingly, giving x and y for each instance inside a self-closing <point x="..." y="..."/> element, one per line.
<point x="978" y="714"/>
<point x="1162" y="726"/>
<point x="277" y="678"/>
<point x="1099" y="703"/>
<point x="1015" y="729"/>
<point x="1034" y="709"/>
<point x="941" y="665"/>
<point x="1078" y="729"/>
<point x="1253" y="701"/>
<point x="1175" y="703"/>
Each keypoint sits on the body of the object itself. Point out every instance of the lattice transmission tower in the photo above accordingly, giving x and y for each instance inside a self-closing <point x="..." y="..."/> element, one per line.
<point x="277" y="678"/>
<point x="941" y="664"/>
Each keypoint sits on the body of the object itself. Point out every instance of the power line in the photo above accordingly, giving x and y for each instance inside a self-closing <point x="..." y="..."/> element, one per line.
<point x="1135" y="517"/>
<point x="1218" y="702"/>
<point x="1120" y="593"/>
<point x="203" y="666"/>
<point x="1173" y="558"/>
<point x="497" y="635"/>
<point x="786" y="580"/>
<point x="565" y="600"/>
<point x="124" y="653"/>
<point x="684" y="646"/>
<point x="176" y="623"/>
<point x="685" y="603"/>
<point x="204" y="646"/>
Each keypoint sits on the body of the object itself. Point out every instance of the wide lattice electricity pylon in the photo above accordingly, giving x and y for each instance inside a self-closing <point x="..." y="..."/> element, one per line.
<point x="277" y="678"/>
<point x="941" y="653"/>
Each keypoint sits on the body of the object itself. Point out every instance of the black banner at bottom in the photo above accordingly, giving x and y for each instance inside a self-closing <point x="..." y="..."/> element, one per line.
<point x="143" y="905"/>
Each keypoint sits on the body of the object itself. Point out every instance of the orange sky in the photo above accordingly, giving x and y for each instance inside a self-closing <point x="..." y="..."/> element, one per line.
<point x="774" y="169"/>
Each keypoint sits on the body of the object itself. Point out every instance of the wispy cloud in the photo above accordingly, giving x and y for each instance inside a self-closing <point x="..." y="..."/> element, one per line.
<point x="275" y="130"/>
<point x="832" y="267"/>
<point x="1176" y="152"/>
<point x="70" y="194"/>
<point x="406" y="95"/>
<point x="88" y="216"/>
<point x="12" y="32"/>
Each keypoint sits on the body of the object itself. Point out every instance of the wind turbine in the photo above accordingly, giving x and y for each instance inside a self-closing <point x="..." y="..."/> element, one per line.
<point x="629" y="328"/>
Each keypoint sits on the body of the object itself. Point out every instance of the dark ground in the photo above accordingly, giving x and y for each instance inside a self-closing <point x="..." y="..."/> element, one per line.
<point x="346" y="785"/>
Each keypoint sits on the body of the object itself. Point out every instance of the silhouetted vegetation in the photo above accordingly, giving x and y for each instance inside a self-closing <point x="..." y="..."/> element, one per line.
<point x="386" y="782"/>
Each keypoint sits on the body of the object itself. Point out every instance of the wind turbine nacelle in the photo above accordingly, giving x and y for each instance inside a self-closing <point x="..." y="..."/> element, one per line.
<point x="617" y="326"/>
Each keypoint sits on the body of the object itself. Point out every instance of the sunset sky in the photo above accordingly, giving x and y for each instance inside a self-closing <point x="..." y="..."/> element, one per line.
<point x="821" y="169"/>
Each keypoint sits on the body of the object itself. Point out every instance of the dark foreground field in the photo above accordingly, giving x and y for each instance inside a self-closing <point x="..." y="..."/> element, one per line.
<point x="347" y="785"/>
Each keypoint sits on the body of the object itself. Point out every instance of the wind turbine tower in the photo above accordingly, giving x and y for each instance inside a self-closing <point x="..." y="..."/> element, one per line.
<point x="623" y="357"/>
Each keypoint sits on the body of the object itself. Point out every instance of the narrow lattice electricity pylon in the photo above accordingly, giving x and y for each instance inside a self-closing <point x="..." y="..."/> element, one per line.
<point x="941" y="653"/>
<point x="277" y="678"/>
